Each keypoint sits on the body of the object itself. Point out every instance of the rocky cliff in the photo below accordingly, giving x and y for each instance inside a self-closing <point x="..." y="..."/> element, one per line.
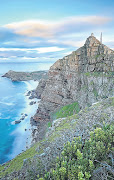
<point x="85" y="76"/>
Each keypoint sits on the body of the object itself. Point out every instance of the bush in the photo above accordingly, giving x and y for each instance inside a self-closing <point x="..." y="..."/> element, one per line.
<point x="79" y="158"/>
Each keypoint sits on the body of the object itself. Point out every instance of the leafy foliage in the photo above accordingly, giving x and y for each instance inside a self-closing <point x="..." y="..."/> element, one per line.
<point x="79" y="158"/>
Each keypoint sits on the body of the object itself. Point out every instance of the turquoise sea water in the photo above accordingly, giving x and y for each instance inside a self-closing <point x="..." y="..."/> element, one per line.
<point x="13" y="102"/>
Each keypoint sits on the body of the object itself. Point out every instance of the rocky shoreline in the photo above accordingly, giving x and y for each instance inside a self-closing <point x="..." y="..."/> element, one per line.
<point x="32" y="95"/>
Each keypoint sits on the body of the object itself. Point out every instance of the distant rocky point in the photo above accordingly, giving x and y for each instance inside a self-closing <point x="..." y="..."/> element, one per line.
<point x="25" y="76"/>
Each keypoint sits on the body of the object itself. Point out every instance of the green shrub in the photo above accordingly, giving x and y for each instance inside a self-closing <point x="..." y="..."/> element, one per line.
<point x="78" y="158"/>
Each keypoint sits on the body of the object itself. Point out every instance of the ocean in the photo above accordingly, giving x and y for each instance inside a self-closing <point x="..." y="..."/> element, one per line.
<point x="14" y="138"/>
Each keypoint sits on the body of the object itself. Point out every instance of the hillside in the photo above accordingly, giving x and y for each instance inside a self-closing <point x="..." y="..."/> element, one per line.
<point x="41" y="155"/>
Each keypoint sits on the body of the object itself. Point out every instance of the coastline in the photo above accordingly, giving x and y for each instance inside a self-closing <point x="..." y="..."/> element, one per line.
<point x="23" y="131"/>
<point x="20" y="134"/>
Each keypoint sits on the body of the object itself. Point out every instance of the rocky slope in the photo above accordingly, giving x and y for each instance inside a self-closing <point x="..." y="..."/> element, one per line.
<point x="41" y="155"/>
<point x="25" y="76"/>
<point x="84" y="76"/>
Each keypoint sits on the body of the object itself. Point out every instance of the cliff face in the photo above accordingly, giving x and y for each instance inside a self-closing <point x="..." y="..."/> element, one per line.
<point x="93" y="56"/>
<point x="85" y="76"/>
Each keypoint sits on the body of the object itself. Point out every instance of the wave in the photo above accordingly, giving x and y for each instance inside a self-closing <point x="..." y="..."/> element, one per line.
<point x="31" y="84"/>
<point x="8" y="117"/>
<point x="6" y="103"/>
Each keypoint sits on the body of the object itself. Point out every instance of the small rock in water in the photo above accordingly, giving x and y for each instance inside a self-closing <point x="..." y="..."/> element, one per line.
<point x="28" y="94"/>
<point x="22" y="118"/>
<point x="31" y="97"/>
<point x="26" y="114"/>
<point x="31" y="103"/>
<point x="17" y="122"/>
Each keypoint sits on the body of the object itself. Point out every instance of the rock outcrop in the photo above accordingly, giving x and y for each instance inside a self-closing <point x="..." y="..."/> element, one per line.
<point x="40" y="88"/>
<point x="86" y="76"/>
<point x="25" y="76"/>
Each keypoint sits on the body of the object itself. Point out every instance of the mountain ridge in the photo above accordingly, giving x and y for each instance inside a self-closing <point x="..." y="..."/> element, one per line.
<point x="84" y="76"/>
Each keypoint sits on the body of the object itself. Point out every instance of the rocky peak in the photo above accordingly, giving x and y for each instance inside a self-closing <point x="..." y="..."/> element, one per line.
<point x="95" y="47"/>
<point x="92" y="41"/>
<point x="93" y="56"/>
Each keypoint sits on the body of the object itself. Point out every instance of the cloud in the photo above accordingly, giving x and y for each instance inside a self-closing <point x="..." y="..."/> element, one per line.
<point x="44" y="29"/>
<point x="7" y="34"/>
<point x="33" y="39"/>
<point x="30" y="52"/>
<point x="32" y="28"/>
<point x="39" y="50"/>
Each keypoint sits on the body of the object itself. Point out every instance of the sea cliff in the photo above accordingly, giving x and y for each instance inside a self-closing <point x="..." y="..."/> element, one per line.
<point x="85" y="76"/>
<point x="83" y="80"/>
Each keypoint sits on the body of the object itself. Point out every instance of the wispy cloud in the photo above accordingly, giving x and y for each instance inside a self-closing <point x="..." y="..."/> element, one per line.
<point x="33" y="39"/>
<point x="44" y="29"/>
<point x="39" y="50"/>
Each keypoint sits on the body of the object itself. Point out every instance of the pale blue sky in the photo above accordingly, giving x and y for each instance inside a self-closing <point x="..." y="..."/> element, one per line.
<point x="40" y="29"/>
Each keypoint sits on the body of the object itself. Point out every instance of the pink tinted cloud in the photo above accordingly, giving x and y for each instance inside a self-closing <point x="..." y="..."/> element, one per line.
<point x="44" y="29"/>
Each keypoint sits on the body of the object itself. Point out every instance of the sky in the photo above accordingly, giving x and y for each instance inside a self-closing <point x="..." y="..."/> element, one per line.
<point x="46" y="30"/>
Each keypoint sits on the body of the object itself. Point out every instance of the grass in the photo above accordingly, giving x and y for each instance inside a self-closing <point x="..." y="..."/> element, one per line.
<point x="97" y="55"/>
<point x="100" y="74"/>
<point x="49" y="124"/>
<point x="17" y="163"/>
<point x="63" y="126"/>
<point x="95" y="92"/>
<point x="67" y="110"/>
<point x="95" y="74"/>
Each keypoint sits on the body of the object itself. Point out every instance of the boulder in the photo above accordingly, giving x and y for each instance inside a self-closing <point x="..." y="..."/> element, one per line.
<point x="17" y="121"/>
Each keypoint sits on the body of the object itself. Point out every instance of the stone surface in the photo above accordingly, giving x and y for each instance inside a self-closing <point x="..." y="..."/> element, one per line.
<point x="17" y="122"/>
<point x="86" y="76"/>
<point x="40" y="88"/>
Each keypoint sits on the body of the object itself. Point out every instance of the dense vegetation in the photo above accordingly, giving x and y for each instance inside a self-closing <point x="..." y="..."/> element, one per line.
<point x="80" y="158"/>
<point x="67" y="110"/>
<point x="35" y="160"/>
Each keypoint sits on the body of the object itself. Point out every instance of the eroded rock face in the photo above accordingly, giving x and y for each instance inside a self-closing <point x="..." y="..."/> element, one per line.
<point x="40" y="88"/>
<point x="82" y="76"/>
<point x="93" y="56"/>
